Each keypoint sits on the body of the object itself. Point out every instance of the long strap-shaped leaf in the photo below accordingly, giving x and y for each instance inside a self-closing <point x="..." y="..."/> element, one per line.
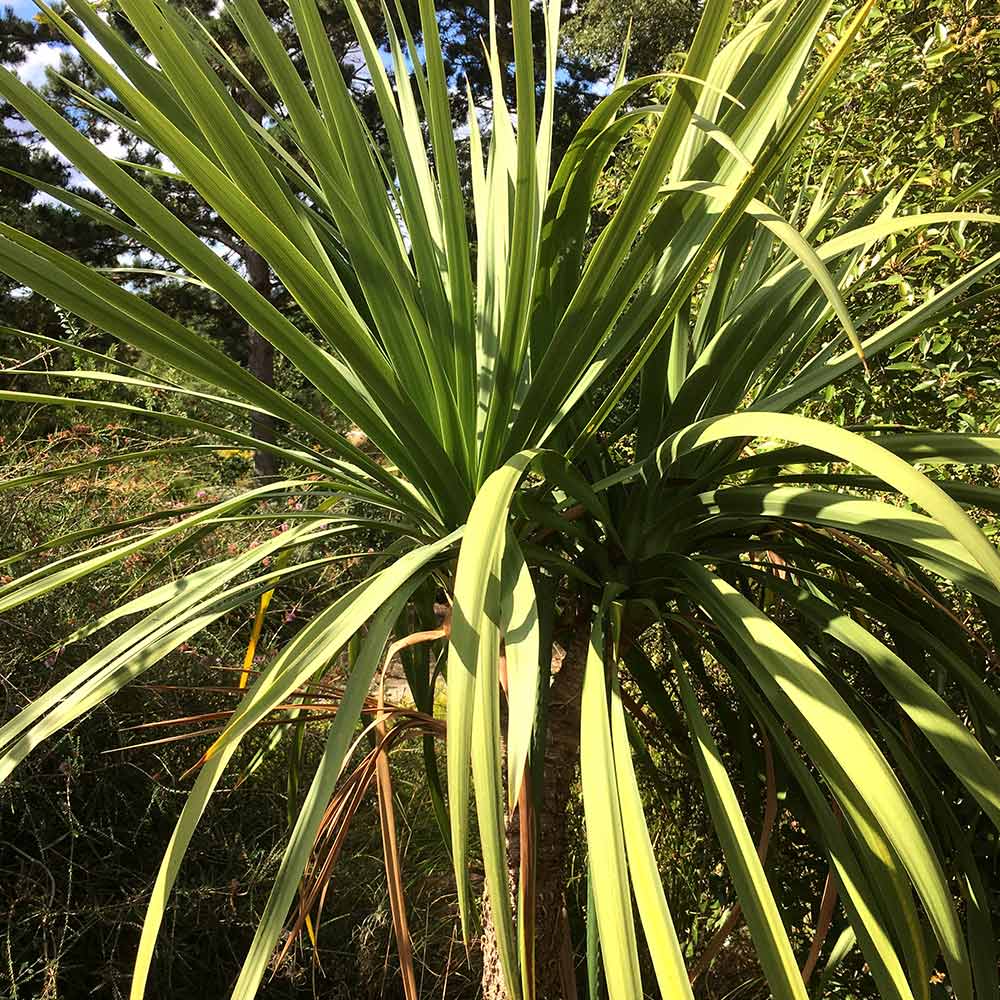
<point x="605" y="837"/>
<point x="314" y="646"/>
<point x="137" y="322"/>
<point x="310" y="816"/>
<point x="522" y="637"/>
<point x="478" y="561"/>
<point x="558" y="370"/>
<point x="325" y="305"/>
<point x="294" y="457"/>
<point x="758" y="903"/>
<point x="791" y="237"/>
<point x="764" y="168"/>
<point x="458" y="276"/>
<point x="848" y="447"/>
<point x="190" y="603"/>
<point x="43" y="580"/>
<point x="841" y="747"/>
<point x="487" y="777"/>
<point x="864" y="904"/>
<point x="957" y="746"/>
<point x="657" y="924"/>
<point x="930" y="544"/>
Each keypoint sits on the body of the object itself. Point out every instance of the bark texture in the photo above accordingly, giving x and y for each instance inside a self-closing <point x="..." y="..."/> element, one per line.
<point x="261" y="364"/>
<point x="554" y="977"/>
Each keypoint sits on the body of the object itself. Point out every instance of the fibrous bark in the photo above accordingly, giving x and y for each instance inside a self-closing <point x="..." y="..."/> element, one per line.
<point x="554" y="977"/>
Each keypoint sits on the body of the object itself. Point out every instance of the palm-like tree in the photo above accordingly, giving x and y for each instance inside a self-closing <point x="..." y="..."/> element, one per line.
<point x="586" y="442"/>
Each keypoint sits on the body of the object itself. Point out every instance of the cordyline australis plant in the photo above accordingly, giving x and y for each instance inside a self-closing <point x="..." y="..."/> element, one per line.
<point x="583" y="440"/>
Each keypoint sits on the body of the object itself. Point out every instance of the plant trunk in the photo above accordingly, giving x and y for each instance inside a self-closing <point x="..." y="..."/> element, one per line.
<point x="261" y="364"/>
<point x="554" y="974"/>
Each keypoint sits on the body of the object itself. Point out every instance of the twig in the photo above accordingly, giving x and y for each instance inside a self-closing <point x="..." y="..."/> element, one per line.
<point x="720" y="937"/>
<point x="826" y="908"/>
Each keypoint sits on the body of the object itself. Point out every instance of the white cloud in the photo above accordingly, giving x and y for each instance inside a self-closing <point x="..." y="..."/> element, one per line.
<point x="32" y="70"/>
<point x="113" y="147"/>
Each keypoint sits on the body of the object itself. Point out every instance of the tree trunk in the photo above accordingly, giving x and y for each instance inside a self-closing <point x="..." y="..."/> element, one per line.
<point x="554" y="975"/>
<point x="261" y="364"/>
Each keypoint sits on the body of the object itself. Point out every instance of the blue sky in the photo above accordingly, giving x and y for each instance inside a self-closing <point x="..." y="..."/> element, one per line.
<point x="33" y="69"/>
